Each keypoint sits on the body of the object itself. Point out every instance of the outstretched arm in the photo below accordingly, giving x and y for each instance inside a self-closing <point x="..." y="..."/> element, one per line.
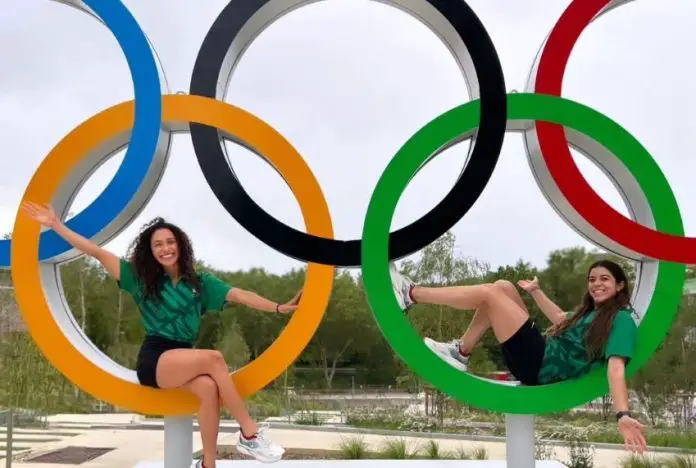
<point x="253" y="300"/>
<point x="630" y="428"/>
<point x="46" y="217"/>
<point x="547" y="306"/>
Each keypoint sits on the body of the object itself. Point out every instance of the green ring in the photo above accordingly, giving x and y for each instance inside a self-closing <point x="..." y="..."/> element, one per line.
<point x="448" y="129"/>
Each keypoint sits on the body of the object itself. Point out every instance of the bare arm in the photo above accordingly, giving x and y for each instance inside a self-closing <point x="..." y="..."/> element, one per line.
<point x="547" y="306"/>
<point x="617" y="383"/>
<point x="47" y="217"/>
<point x="630" y="428"/>
<point x="253" y="300"/>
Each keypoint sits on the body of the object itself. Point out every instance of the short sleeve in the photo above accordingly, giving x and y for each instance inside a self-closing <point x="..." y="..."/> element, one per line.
<point x="622" y="338"/>
<point x="214" y="292"/>
<point x="127" y="280"/>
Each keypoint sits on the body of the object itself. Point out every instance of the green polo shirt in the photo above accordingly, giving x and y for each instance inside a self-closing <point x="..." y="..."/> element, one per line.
<point x="177" y="315"/>
<point x="566" y="357"/>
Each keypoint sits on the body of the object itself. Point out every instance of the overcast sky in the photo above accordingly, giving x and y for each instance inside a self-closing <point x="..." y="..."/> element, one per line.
<point x="347" y="82"/>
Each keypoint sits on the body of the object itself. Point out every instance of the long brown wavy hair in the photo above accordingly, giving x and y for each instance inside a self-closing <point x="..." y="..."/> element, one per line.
<point x="148" y="270"/>
<point x="598" y="333"/>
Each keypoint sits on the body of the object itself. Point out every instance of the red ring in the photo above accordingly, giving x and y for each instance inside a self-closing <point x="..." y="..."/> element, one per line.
<point x="556" y="152"/>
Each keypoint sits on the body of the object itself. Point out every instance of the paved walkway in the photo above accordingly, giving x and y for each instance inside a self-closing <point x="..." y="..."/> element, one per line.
<point x="132" y="446"/>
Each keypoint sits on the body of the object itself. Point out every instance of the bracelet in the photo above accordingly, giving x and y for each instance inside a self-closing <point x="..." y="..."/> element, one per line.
<point x="277" y="308"/>
<point x="621" y="414"/>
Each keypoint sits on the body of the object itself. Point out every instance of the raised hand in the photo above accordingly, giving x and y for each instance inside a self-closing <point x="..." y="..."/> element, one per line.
<point x="529" y="285"/>
<point x="632" y="432"/>
<point x="42" y="214"/>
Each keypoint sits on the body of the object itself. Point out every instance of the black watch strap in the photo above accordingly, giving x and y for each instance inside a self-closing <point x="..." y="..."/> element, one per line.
<point x="621" y="414"/>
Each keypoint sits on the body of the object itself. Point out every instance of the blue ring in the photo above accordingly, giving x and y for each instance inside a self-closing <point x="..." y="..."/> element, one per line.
<point x="141" y="151"/>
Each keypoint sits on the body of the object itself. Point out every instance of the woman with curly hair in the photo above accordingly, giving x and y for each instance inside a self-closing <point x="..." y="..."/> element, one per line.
<point x="601" y="331"/>
<point x="172" y="296"/>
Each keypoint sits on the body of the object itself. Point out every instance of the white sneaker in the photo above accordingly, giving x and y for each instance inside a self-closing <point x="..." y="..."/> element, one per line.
<point x="449" y="352"/>
<point x="402" y="288"/>
<point x="260" y="447"/>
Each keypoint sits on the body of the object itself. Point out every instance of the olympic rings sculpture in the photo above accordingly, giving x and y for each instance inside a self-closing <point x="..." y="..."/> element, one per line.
<point x="654" y="236"/>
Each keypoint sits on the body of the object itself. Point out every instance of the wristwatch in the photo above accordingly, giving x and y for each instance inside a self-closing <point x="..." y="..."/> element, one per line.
<point x="621" y="414"/>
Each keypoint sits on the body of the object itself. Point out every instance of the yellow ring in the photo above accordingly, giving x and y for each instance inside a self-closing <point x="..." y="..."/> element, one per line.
<point x="59" y="164"/>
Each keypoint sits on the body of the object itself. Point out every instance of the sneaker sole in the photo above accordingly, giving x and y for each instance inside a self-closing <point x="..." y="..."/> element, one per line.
<point x="242" y="449"/>
<point x="445" y="357"/>
<point x="435" y="347"/>
<point x="398" y="283"/>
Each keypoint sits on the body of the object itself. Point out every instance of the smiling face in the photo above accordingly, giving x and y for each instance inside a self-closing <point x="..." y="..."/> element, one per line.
<point x="165" y="248"/>
<point x="602" y="285"/>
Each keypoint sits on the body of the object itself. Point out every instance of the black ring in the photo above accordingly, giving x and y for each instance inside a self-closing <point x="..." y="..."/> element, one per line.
<point x="208" y="144"/>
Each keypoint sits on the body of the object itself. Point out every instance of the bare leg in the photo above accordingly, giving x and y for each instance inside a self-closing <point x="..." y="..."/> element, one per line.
<point x="480" y="323"/>
<point x="178" y="366"/>
<point x="208" y="415"/>
<point x="497" y="307"/>
<point x="477" y="328"/>
<point x="503" y="312"/>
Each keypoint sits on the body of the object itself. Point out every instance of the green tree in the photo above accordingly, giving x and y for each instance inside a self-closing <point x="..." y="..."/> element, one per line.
<point x="564" y="279"/>
<point x="260" y="329"/>
<point x="345" y="329"/>
<point x="668" y="381"/>
<point x="232" y="345"/>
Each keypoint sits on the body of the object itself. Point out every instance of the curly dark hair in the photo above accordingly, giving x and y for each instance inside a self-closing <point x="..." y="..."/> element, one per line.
<point x="148" y="270"/>
<point x="600" y="329"/>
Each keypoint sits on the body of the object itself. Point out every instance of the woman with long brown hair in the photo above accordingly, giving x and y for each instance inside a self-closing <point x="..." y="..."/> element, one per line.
<point x="159" y="274"/>
<point x="601" y="331"/>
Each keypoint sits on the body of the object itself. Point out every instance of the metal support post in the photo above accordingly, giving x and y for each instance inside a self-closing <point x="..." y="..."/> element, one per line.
<point x="519" y="430"/>
<point x="178" y="442"/>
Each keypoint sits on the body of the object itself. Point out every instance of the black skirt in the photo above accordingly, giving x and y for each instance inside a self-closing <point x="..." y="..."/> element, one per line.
<point x="150" y="351"/>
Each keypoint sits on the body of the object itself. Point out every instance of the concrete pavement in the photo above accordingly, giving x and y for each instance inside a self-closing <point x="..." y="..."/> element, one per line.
<point x="132" y="446"/>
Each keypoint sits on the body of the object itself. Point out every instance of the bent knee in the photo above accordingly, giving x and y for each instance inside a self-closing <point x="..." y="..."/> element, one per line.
<point x="489" y="290"/>
<point x="214" y="360"/>
<point x="505" y="285"/>
<point x="205" y="388"/>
